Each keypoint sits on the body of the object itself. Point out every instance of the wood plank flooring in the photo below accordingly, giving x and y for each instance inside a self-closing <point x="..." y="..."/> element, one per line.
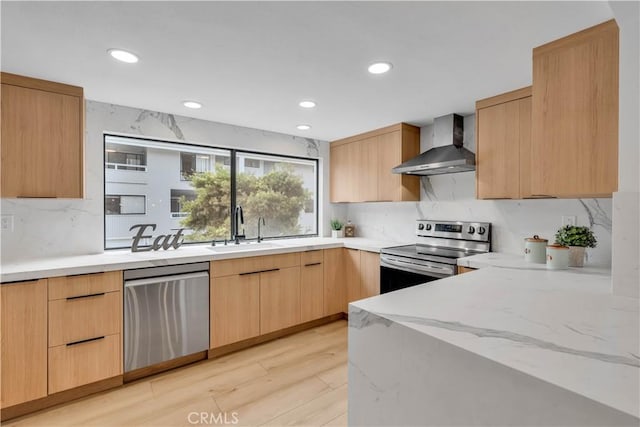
<point x="296" y="380"/>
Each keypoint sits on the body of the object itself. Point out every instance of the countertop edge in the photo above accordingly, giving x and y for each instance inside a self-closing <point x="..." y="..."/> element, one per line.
<point x="116" y="260"/>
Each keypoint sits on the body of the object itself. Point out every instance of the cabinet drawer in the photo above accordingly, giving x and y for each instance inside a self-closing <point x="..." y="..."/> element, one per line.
<point x="77" y="319"/>
<point x="311" y="257"/>
<point x="84" y="363"/>
<point x="254" y="264"/>
<point x="85" y="284"/>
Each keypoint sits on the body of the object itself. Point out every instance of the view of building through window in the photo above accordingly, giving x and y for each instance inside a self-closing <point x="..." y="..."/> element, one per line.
<point x="177" y="186"/>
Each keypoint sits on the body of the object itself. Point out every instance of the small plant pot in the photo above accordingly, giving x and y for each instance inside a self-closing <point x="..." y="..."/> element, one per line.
<point x="577" y="255"/>
<point x="336" y="234"/>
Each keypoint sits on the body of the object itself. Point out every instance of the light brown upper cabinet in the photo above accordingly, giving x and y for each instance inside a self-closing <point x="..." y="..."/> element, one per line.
<point x="360" y="166"/>
<point x="503" y="145"/>
<point x="42" y="138"/>
<point x="574" y="147"/>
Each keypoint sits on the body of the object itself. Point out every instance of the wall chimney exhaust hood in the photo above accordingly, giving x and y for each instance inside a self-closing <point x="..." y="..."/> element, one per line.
<point x="448" y="154"/>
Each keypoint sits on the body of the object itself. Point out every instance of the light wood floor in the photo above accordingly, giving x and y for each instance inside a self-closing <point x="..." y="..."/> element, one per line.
<point x="296" y="380"/>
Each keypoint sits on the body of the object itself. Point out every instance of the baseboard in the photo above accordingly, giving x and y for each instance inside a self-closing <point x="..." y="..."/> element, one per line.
<point x="241" y="345"/>
<point x="58" y="398"/>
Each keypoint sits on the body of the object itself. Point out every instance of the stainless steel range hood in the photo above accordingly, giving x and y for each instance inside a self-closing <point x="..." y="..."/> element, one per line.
<point x="448" y="155"/>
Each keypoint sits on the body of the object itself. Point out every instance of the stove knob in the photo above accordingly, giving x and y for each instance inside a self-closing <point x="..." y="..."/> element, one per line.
<point x="481" y="230"/>
<point x="420" y="226"/>
<point x="428" y="227"/>
<point x="471" y="230"/>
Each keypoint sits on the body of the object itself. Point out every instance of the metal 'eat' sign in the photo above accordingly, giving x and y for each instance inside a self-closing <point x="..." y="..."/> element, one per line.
<point x="161" y="242"/>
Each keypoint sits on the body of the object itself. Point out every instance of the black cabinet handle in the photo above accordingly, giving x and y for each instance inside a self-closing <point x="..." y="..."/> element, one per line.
<point x="313" y="263"/>
<point x="246" y="274"/>
<point x="86" y="296"/>
<point x="261" y="271"/>
<point x="84" y="341"/>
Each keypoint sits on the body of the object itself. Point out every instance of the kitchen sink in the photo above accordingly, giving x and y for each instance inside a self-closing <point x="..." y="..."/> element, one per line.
<point x="252" y="246"/>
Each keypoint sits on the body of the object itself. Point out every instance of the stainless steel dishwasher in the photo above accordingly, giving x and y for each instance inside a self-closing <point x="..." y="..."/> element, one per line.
<point x="166" y="314"/>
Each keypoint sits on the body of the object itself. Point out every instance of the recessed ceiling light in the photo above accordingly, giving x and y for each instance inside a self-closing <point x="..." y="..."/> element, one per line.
<point x="192" y="104"/>
<point x="379" y="67"/>
<point x="303" y="127"/>
<point x="307" y="104"/>
<point x="123" y="55"/>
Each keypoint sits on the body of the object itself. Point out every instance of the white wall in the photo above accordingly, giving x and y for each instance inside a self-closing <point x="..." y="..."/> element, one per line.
<point x="47" y="228"/>
<point x="452" y="197"/>
<point x="626" y="202"/>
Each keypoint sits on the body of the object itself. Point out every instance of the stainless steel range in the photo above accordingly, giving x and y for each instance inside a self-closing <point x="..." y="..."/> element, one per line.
<point x="434" y="256"/>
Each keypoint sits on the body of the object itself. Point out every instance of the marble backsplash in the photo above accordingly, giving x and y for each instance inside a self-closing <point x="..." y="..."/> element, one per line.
<point x="57" y="227"/>
<point x="511" y="220"/>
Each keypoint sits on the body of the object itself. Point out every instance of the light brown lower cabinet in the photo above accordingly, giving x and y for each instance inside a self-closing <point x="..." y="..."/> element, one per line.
<point x="462" y="269"/>
<point x="85" y="329"/>
<point x="369" y="274"/>
<point x="235" y="308"/>
<point x="23" y="342"/>
<point x="335" y="292"/>
<point x="279" y="299"/>
<point x="362" y="272"/>
<point x="253" y="296"/>
<point x="76" y="319"/>
<point x="84" y="362"/>
<point x="311" y="286"/>
<point x="352" y="276"/>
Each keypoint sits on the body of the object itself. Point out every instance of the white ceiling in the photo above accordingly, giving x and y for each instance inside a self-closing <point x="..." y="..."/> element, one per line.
<point x="250" y="63"/>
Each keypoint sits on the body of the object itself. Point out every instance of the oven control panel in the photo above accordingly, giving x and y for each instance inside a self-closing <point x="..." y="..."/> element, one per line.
<point x="476" y="231"/>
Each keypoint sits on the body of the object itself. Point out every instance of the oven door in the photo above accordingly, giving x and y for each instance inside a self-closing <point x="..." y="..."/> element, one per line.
<point x="399" y="273"/>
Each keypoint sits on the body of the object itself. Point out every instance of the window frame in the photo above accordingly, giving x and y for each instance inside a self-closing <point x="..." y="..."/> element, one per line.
<point x="233" y="190"/>
<point x="144" y="197"/>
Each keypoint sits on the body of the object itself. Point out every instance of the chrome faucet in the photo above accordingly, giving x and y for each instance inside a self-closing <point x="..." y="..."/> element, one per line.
<point x="260" y="219"/>
<point x="238" y="220"/>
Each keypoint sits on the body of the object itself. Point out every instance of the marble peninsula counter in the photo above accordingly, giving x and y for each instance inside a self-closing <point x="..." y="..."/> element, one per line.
<point x="509" y="344"/>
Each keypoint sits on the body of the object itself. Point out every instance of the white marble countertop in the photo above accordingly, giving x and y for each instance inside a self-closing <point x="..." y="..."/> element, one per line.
<point x="125" y="259"/>
<point x="563" y="327"/>
<point x="503" y="260"/>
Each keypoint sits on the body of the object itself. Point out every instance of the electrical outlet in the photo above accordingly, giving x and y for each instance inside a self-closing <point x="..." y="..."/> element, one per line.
<point x="569" y="220"/>
<point x="6" y="223"/>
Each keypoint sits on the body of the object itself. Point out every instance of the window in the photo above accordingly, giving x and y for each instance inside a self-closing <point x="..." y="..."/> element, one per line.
<point x="178" y="199"/>
<point x="252" y="163"/>
<point x="223" y="160"/>
<point x="125" y="157"/>
<point x="191" y="163"/>
<point x="189" y="186"/>
<point x="283" y="192"/>
<point x="124" y="205"/>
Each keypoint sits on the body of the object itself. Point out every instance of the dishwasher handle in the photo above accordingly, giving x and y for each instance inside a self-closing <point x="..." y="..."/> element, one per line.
<point x="162" y="279"/>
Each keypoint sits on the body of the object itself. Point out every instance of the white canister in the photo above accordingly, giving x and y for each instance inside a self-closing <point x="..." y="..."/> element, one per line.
<point x="557" y="257"/>
<point x="535" y="249"/>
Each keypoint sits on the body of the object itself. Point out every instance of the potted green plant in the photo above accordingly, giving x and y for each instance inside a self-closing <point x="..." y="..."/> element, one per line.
<point x="336" y="228"/>
<point x="577" y="238"/>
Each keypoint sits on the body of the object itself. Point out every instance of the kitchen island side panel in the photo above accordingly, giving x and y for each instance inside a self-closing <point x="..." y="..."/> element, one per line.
<point x="398" y="376"/>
